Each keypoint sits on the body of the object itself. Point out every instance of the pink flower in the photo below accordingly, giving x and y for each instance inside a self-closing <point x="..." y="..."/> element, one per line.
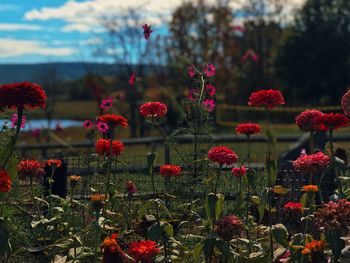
<point x="14" y="120"/>
<point x="147" y="31"/>
<point x="210" y="89"/>
<point x="88" y="124"/>
<point x="36" y="133"/>
<point x="102" y="127"/>
<point x="239" y="171"/>
<point x="209" y="104"/>
<point x="310" y="163"/>
<point x="209" y="70"/>
<point x="191" y="71"/>
<point x="250" y="54"/>
<point x="106" y="104"/>
<point x="132" y="79"/>
<point x="222" y="155"/>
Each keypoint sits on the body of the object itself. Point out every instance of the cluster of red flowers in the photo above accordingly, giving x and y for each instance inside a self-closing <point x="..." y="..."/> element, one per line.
<point x="311" y="163"/>
<point x="248" y="128"/>
<point x="170" y="170"/>
<point x="314" y="246"/>
<point x="239" y="171"/>
<point x="228" y="227"/>
<point x="22" y="95"/>
<point x="222" y="155"/>
<point x="153" y="109"/>
<point x="54" y="163"/>
<point x="113" y="120"/>
<point x="130" y="187"/>
<point x="266" y="98"/>
<point x="5" y="181"/>
<point x="143" y="250"/>
<point x="334" y="121"/>
<point x="310" y="121"/>
<point x="295" y="206"/>
<point x="30" y="168"/>
<point x="102" y="147"/>
<point x="334" y="216"/>
<point x="112" y="252"/>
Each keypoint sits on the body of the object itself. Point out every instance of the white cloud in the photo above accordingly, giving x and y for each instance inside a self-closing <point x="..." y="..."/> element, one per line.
<point x="10" y="47"/>
<point x="15" y="27"/>
<point x="85" y="16"/>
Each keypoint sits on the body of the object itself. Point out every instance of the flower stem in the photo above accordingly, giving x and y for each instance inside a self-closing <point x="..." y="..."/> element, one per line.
<point x="217" y="179"/>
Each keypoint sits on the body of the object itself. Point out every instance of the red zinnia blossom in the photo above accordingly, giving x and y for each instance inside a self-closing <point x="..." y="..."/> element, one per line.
<point x="88" y="124"/>
<point x="293" y="206"/>
<point x="170" y="170"/>
<point x="210" y="89"/>
<point x="143" y="250"/>
<point x="112" y="252"/>
<point x="147" y="31"/>
<point x="310" y="121"/>
<point x="24" y="95"/>
<point x="266" y="98"/>
<point x="209" y="70"/>
<point x="228" y="227"/>
<point x="345" y="103"/>
<point x="248" y="128"/>
<point x="106" y="104"/>
<point x="222" y="155"/>
<point x="209" y="105"/>
<point x="239" y="171"/>
<point x="250" y="54"/>
<point x="153" y="109"/>
<point x="310" y="163"/>
<point x="102" y="147"/>
<point x="5" y="181"/>
<point x="114" y="120"/>
<point x="334" y="121"/>
<point x="191" y="71"/>
<point x="132" y="79"/>
<point x="30" y="168"/>
<point x="130" y="187"/>
<point x="54" y="163"/>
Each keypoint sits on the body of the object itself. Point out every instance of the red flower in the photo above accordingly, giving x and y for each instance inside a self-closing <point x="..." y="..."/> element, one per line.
<point x="130" y="187"/>
<point x="132" y="79"/>
<point x="102" y="147"/>
<point x="30" y="168"/>
<point x="143" y="250"/>
<point x="210" y="89"/>
<point x="222" y="155"/>
<point x="250" y="54"/>
<point x="310" y="120"/>
<point x="266" y="98"/>
<point x="153" y="109"/>
<point x="209" y="105"/>
<point x="239" y="171"/>
<point x="170" y="170"/>
<point x="147" y="31"/>
<point x="345" y="103"/>
<point x="112" y="252"/>
<point x="5" y="181"/>
<point x="23" y="95"/>
<point x="209" y="70"/>
<point x="248" y="128"/>
<point x="114" y="120"/>
<point x="54" y="163"/>
<point x="293" y="206"/>
<point x="334" y="121"/>
<point x="228" y="227"/>
<point x="191" y="71"/>
<point x="106" y="104"/>
<point x="312" y="163"/>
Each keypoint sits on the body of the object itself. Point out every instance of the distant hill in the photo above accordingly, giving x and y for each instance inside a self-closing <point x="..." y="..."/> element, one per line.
<point x="63" y="71"/>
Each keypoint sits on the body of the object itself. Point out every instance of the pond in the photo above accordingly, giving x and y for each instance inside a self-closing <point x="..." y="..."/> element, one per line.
<point x="42" y="123"/>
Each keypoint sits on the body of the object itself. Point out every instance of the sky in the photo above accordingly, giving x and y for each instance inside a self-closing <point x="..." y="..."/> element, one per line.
<point x="34" y="31"/>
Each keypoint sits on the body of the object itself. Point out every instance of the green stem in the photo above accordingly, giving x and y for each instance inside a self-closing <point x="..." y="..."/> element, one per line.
<point x="33" y="197"/>
<point x="248" y="194"/>
<point x="109" y="168"/>
<point x="217" y="179"/>
<point x="312" y="142"/>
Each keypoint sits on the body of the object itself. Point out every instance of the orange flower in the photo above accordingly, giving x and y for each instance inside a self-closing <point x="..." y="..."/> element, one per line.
<point x="170" y="170"/>
<point x="54" y="163"/>
<point x="313" y="246"/>
<point x="114" y="120"/>
<point x="112" y="252"/>
<point x="97" y="198"/>
<point x="5" y="181"/>
<point x="74" y="178"/>
<point x="309" y="188"/>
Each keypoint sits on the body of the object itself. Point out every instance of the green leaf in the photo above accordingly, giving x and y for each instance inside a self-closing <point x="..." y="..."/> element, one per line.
<point x="12" y="167"/>
<point x="251" y="178"/>
<point x="151" y="158"/>
<point x="4" y="236"/>
<point x="214" y="205"/>
<point x="168" y="229"/>
<point x="219" y="205"/>
<point x="208" y="248"/>
<point x="262" y="204"/>
<point x="154" y="232"/>
<point x="197" y="250"/>
<point x="271" y="169"/>
<point x="279" y="189"/>
<point x="280" y="234"/>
